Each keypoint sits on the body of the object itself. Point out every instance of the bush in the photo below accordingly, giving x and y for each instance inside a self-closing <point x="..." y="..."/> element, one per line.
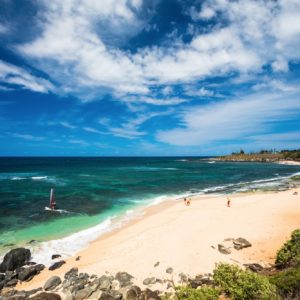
<point x="288" y="283"/>
<point x="243" y="285"/>
<point x="203" y="293"/>
<point x="290" y="252"/>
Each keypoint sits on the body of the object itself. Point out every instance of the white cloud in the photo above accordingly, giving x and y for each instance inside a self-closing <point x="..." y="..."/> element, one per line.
<point x="93" y="130"/>
<point x="78" y="142"/>
<point x="67" y="125"/>
<point x="13" y="75"/>
<point x="202" y="92"/>
<point x="76" y="45"/>
<point x="230" y="120"/>
<point x="28" y="137"/>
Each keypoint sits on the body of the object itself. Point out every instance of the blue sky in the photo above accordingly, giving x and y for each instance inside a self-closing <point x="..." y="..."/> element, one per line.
<point x="148" y="77"/>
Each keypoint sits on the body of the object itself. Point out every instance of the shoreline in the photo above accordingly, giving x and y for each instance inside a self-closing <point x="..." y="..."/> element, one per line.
<point x="170" y="233"/>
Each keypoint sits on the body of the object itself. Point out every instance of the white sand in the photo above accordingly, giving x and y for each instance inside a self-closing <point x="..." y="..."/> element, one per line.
<point x="186" y="238"/>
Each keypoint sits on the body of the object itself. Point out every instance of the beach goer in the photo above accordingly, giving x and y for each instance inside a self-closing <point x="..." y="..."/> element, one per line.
<point x="228" y="202"/>
<point x="188" y="202"/>
<point x="185" y="201"/>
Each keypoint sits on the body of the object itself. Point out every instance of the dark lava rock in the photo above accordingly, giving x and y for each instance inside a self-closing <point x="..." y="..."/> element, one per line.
<point x="14" y="259"/>
<point x="133" y="293"/>
<point x="241" y="243"/>
<point x="54" y="256"/>
<point x="71" y="273"/>
<point x="83" y="293"/>
<point x="149" y="295"/>
<point x="27" y="273"/>
<point x="46" y="296"/>
<point x="254" y="267"/>
<point x="2" y="276"/>
<point x="34" y="291"/>
<point x="222" y="249"/>
<point x="52" y="283"/>
<point x="57" y="265"/>
<point x="78" y="258"/>
<point x="124" y="278"/>
<point x="150" y="280"/>
<point x="156" y="264"/>
<point x="106" y="296"/>
<point x="11" y="283"/>
<point x="169" y="270"/>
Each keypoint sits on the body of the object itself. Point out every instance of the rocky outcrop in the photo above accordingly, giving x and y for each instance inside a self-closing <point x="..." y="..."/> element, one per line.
<point x="26" y="274"/>
<point x="14" y="259"/>
<point x="229" y="244"/>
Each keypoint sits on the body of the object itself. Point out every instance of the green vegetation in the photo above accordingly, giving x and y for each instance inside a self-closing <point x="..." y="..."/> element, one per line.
<point x="289" y="254"/>
<point x="241" y="284"/>
<point x="263" y="156"/>
<point x="203" y="293"/>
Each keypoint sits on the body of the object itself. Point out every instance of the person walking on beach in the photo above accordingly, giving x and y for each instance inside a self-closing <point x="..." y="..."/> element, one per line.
<point x="228" y="202"/>
<point x="188" y="202"/>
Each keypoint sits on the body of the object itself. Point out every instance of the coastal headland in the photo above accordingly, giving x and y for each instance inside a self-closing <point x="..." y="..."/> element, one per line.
<point x="188" y="239"/>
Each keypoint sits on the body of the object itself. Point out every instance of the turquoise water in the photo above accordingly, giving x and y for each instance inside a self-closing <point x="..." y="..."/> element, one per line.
<point x="92" y="190"/>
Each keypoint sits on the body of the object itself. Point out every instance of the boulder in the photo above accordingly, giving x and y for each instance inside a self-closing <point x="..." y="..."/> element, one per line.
<point x="26" y="274"/>
<point x="150" y="280"/>
<point x="124" y="278"/>
<point x="223" y="249"/>
<point x="46" y="296"/>
<point x="71" y="273"/>
<point x="57" y="265"/>
<point x="83" y="293"/>
<point x="156" y="264"/>
<point x="149" y="295"/>
<point x="169" y="270"/>
<point x="183" y="277"/>
<point x="11" y="283"/>
<point x="133" y="293"/>
<point x="54" y="256"/>
<point x="254" y="267"/>
<point x="106" y="296"/>
<point x="2" y="277"/>
<point x="52" y="283"/>
<point x="104" y="283"/>
<point x="14" y="259"/>
<point x="241" y="243"/>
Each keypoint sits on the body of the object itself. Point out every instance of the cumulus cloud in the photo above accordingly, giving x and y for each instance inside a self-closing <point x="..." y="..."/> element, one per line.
<point x="231" y="120"/>
<point x="76" y="50"/>
<point x="13" y="75"/>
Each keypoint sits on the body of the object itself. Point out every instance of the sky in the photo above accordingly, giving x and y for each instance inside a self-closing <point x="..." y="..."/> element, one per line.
<point x="148" y="77"/>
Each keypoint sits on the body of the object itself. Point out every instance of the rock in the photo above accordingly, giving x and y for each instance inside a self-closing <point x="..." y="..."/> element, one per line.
<point x="17" y="297"/>
<point x="32" y="242"/>
<point x="169" y="270"/>
<point x="56" y="265"/>
<point x="10" y="275"/>
<point x="28" y="273"/>
<point x="149" y="295"/>
<point x="54" y="256"/>
<point x="224" y="250"/>
<point x="254" y="267"/>
<point x="83" y="294"/>
<point x="14" y="259"/>
<point x="133" y="293"/>
<point x="34" y="291"/>
<point x="2" y="277"/>
<point x="106" y="296"/>
<point x="183" y="277"/>
<point x="241" y="243"/>
<point x="11" y="283"/>
<point x="150" y="280"/>
<point x="71" y="273"/>
<point x="156" y="264"/>
<point x="52" y="283"/>
<point x="78" y="258"/>
<point x="104" y="283"/>
<point x="116" y="294"/>
<point x="46" y="296"/>
<point x="124" y="278"/>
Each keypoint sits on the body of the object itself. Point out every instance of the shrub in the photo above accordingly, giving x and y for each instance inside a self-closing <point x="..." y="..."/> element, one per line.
<point x="243" y="285"/>
<point x="203" y="293"/>
<point x="290" y="251"/>
<point x="288" y="282"/>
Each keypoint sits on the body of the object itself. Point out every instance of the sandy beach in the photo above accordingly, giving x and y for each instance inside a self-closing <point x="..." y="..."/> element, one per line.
<point x="186" y="237"/>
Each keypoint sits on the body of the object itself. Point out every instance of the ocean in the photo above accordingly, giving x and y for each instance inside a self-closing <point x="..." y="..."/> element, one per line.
<point x="99" y="194"/>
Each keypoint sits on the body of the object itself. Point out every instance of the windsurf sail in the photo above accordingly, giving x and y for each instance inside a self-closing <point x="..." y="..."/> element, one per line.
<point x="52" y="199"/>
